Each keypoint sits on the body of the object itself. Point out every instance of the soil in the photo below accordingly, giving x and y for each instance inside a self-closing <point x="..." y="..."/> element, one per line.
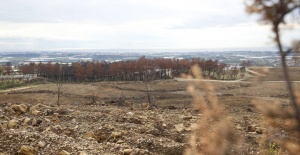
<point x="276" y="74"/>
<point x="115" y="118"/>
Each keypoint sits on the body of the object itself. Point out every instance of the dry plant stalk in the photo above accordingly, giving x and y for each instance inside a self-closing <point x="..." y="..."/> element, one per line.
<point x="213" y="134"/>
<point x="282" y="127"/>
<point x="275" y="12"/>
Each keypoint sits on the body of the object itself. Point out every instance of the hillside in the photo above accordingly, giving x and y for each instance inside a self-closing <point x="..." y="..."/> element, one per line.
<point x="113" y="117"/>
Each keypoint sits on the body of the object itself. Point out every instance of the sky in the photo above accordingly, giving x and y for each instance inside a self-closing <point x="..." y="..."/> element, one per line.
<point x="132" y="24"/>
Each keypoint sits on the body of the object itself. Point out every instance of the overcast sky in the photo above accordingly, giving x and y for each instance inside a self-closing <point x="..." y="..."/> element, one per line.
<point x="132" y="24"/>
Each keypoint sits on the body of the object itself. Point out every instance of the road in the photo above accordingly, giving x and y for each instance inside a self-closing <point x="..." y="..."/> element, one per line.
<point x="16" y="89"/>
<point x="226" y="81"/>
<point x="254" y="72"/>
<point x="198" y="80"/>
<point x="232" y="81"/>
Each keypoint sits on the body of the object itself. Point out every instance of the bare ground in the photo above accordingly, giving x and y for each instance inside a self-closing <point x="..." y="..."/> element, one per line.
<point x="113" y="117"/>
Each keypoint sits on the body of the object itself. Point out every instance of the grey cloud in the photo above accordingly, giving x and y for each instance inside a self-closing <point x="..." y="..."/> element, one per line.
<point x="210" y="22"/>
<point x="75" y="10"/>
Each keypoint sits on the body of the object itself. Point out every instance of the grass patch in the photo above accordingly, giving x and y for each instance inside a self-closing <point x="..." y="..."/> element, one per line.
<point x="11" y="84"/>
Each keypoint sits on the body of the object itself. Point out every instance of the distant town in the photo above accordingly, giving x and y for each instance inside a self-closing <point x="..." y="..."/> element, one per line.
<point x="234" y="58"/>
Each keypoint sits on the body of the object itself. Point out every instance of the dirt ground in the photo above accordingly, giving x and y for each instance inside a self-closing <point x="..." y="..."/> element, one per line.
<point x="275" y="74"/>
<point x="114" y="117"/>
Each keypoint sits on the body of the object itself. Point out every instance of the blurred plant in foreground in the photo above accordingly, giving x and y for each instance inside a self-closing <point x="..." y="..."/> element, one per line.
<point x="213" y="134"/>
<point x="281" y="119"/>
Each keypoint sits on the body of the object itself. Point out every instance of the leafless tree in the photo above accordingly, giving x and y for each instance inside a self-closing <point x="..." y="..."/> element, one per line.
<point x="296" y="48"/>
<point x="275" y="12"/>
<point x="59" y="86"/>
<point x="148" y="79"/>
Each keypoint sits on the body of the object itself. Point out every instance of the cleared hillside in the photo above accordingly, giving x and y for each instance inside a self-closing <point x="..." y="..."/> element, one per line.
<point x="113" y="117"/>
<point x="275" y="74"/>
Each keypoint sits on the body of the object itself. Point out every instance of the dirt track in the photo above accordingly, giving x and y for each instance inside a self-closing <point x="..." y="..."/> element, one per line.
<point x="16" y="89"/>
<point x="112" y="117"/>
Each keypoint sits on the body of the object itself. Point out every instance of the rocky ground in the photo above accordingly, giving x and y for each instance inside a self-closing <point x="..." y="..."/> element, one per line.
<point x="31" y="123"/>
<point x="94" y="129"/>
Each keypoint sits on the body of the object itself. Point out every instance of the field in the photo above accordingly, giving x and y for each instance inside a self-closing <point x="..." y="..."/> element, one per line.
<point x="275" y="74"/>
<point x="114" y="117"/>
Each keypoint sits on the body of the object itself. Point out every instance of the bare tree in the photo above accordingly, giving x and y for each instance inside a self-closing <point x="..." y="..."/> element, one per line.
<point x="59" y="86"/>
<point x="1" y="70"/>
<point x="59" y="83"/>
<point x="148" y="78"/>
<point x="149" y="92"/>
<point x="296" y="48"/>
<point x="275" y="12"/>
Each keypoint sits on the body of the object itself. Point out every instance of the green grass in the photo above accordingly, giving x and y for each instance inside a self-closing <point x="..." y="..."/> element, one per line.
<point x="6" y="84"/>
<point x="273" y="150"/>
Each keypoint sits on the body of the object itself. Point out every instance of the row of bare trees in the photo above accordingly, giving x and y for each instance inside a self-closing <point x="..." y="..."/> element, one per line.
<point x="6" y="69"/>
<point x="132" y="70"/>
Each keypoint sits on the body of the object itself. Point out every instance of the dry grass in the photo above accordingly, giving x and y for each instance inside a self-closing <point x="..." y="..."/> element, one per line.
<point x="276" y="74"/>
<point x="222" y="108"/>
<point x="282" y="127"/>
<point x="213" y="133"/>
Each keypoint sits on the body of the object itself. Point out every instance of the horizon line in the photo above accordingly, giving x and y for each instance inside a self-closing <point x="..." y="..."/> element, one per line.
<point x="262" y="49"/>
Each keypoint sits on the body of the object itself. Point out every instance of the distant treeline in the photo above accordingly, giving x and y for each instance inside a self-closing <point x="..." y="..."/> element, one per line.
<point x="132" y="70"/>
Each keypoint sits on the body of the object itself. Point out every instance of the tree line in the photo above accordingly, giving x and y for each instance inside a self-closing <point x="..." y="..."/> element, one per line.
<point x="132" y="70"/>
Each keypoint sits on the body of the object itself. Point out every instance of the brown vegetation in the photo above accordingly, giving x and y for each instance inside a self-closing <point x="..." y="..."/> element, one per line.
<point x="161" y="130"/>
<point x="275" y="13"/>
<point x="276" y="74"/>
<point x="131" y="70"/>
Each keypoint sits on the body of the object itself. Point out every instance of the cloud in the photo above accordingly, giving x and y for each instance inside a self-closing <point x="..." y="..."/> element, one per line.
<point x="109" y="12"/>
<point x="113" y="12"/>
<point x="41" y="24"/>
